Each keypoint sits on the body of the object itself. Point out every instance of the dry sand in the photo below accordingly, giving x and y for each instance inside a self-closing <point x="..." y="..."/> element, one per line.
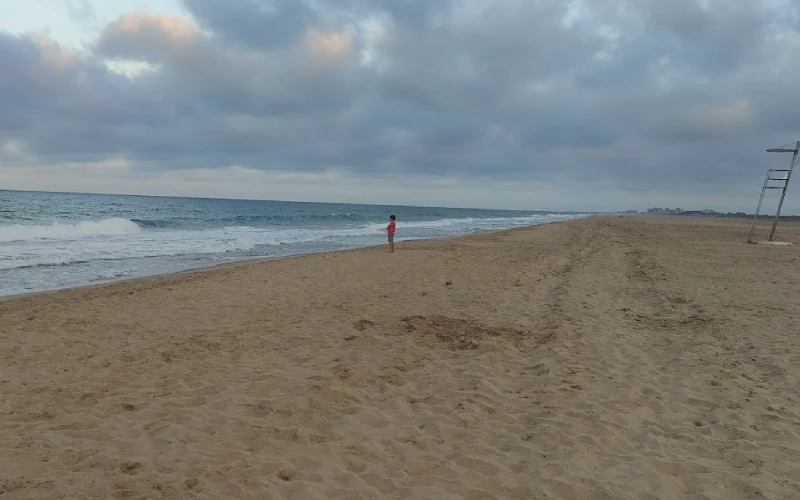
<point x="606" y="358"/>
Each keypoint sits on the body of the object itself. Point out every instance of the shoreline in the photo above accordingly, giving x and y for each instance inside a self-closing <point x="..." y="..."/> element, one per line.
<point x="177" y="273"/>
<point x="180" y="272"/>
<point x="253" y="261"/>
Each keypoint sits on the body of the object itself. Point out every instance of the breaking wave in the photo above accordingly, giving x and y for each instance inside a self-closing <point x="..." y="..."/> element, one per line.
<point x="65" y="231"/>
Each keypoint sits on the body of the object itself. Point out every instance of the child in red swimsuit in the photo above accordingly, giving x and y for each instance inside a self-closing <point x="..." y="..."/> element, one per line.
<point x="390" y="232"/>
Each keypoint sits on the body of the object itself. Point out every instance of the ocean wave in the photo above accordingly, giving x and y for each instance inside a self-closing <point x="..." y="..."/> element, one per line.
<point x="258" y="220"/>
<point x="156" y="224"/>
<point x="66" y="231"/>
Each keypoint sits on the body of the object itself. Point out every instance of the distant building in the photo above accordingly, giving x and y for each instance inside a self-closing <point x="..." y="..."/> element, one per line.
<point x="659" y="210"/>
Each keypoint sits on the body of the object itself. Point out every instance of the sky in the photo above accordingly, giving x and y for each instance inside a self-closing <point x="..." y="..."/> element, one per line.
<point x="530" y="104"/>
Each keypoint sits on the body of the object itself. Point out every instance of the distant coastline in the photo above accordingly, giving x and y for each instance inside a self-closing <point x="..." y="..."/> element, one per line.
<point x="706" y="213"/>
<point x="738" y="215"/>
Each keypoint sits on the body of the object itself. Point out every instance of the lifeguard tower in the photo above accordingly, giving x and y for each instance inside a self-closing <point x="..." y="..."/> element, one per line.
<point x="776" y="178"/>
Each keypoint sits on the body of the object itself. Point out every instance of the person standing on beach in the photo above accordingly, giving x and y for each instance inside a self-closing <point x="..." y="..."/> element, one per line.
<point x="390" y="232"/>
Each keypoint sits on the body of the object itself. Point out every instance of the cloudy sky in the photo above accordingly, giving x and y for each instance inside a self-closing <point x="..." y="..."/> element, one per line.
<point x="537" y="104"/>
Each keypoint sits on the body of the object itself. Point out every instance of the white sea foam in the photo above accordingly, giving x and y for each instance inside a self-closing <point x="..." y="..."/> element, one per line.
<point x="66" y="231"/>
<point x="24" y="254"/>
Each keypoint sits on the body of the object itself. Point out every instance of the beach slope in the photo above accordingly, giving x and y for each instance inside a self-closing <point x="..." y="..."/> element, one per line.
<point x="603" y="358"/>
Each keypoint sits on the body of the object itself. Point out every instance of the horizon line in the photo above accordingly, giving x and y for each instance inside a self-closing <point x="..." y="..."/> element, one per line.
<point x="591" y="212"/>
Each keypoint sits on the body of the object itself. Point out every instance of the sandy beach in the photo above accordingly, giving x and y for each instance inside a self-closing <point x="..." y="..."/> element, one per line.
<point x="605" y="358"/>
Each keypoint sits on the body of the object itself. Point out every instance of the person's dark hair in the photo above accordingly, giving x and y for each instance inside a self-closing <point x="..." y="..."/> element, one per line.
<point x="391" y="217"/>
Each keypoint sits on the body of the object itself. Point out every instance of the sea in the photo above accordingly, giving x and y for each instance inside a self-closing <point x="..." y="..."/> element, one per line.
<point x="51" y="241"/>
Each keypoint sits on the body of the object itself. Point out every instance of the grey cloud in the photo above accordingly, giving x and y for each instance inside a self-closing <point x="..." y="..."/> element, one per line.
<point x="260" y="23"/>
<point x="653" y="94"/>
